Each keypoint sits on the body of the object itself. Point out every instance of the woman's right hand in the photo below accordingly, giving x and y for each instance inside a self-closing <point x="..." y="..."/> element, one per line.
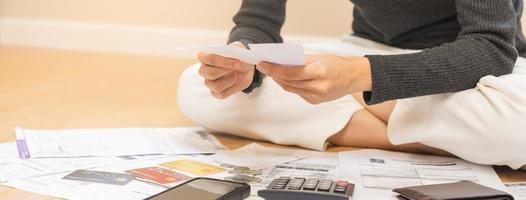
<point x="225" y="76"/>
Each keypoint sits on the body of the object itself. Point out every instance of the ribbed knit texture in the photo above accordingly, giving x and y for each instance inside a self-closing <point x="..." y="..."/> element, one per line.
<point x="463" y="40"/>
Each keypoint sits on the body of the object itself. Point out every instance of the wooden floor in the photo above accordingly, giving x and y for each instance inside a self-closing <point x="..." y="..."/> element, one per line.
<point x="56" y="89"/>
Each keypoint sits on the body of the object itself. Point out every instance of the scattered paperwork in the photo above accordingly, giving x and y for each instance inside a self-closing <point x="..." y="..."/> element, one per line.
<point x="114" y="142"/>
<point x="375" y="172"/>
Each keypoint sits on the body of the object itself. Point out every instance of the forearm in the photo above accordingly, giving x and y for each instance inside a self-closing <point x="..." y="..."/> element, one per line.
<point x="258" y="22"/>
<point x="485" y="46"/>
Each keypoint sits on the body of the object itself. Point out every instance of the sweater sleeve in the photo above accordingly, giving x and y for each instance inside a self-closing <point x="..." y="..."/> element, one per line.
<point x="484" y="46"/>
<point x="259" y="21"/>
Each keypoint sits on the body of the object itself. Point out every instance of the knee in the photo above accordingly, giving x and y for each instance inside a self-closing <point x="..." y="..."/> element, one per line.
<point x="502" y="142"/>
<point x="190" y="90"/>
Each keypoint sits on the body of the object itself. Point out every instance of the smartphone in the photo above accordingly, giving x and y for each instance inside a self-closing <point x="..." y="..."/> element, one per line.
<point x="205" y="189"/>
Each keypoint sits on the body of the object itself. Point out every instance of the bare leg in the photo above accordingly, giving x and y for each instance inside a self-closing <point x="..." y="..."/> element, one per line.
<point x="381" y="111"/>
<point x="367" y="130"/>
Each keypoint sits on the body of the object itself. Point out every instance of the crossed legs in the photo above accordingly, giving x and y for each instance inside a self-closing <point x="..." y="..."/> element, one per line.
<point x="368" y="129"/>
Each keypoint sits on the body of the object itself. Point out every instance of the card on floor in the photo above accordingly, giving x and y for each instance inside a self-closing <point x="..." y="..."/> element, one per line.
<point x="99" y="177"/>
<point x="158" y="175"/>
<point x="193" y="167"/>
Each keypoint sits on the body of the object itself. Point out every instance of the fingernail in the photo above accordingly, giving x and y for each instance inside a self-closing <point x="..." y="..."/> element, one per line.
<point x="259" y="69"/>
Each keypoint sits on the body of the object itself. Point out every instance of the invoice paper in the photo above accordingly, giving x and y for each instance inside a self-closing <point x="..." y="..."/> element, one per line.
<point x="114" y="142"/>
<point x="278" y="53"/>
<point x="517" y="189"/>
<point x="259" y="157"/>
<point x="377" y="172"/>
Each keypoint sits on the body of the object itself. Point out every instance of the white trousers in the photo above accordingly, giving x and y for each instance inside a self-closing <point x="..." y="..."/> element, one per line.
<point x="485" y="125"/>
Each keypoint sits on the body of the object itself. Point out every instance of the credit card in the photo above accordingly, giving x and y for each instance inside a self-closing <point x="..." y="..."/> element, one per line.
<point x="193" y="167"/>
<point x="158" y="175"/>
<point x="99" y="177"/>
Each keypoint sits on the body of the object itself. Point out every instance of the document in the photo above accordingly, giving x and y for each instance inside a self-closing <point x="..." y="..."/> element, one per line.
<point x="259" y="157"/>
<point x="13" y="168"/>
<point x="114" y="142"/>
<point x="517" y="189"/>
<point x="279" y="53"/>
<point x="8" y="151"/>
<point x="377" y="172"/>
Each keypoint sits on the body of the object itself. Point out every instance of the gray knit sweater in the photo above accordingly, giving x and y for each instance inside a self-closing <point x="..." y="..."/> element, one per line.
<point x="462" y="40"/>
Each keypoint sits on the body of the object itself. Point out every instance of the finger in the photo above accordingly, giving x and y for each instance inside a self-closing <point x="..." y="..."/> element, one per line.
<point x="221" y="84"/>
<point x="295" y="90"/>
<point x="228" y="92"/>
<point x="310" y="85"/>
<point x="219" y="61"/>
<point x="305" y="94"/>
<point x="285" y="72"/>
<point x="212" y="73"/>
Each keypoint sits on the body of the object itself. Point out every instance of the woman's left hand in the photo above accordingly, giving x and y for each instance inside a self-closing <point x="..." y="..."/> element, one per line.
<point x="325" y="77"/>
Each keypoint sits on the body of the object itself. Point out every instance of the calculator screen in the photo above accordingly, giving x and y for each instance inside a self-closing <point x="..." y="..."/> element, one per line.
<point x="202" y="189"/>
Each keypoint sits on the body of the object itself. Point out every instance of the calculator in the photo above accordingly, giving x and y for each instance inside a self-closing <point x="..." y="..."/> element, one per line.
<point x="296" y="188"/>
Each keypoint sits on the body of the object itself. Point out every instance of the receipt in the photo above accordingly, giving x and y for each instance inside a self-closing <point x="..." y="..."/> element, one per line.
<point x="287" y="54"/>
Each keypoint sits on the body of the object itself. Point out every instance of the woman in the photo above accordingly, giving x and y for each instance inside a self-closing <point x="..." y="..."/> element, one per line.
<point x="462" y="41"/>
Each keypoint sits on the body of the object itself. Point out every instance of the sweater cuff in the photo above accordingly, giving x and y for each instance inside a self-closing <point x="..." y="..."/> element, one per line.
<point x="397" y="77"/>
<point x="382" y="82"/>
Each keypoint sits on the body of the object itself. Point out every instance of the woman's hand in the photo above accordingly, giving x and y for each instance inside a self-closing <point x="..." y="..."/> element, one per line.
<point x="225" y="76"/>
<point x="326" y="77"/>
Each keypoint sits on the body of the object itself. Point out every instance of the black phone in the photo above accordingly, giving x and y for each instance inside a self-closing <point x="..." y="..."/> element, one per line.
<point x="205" y="189"/>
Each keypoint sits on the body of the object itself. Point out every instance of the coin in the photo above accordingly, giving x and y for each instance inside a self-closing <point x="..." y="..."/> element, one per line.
<point x="226" y="165"/>
<point x="247" y="177"/>
<point x="255" y="172"/>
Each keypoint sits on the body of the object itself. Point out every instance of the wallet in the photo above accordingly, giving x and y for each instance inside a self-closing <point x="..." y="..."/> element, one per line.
<point x="452" y="191"/>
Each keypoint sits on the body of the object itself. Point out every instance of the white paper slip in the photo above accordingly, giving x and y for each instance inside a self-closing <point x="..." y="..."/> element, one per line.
<point x="114" y="142"/>
<point x="279" y="53"/>
<point x="284" y="54"/>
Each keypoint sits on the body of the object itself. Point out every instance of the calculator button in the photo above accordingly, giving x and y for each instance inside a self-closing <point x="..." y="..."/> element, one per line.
<point x="340" y="190"/>
<point x="342" y="183"/>
<point x="293" y="187"/>
<point x="309" y="187"/>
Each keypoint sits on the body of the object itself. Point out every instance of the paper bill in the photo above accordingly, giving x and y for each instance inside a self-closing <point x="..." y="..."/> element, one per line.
<point x="115" y="142"/>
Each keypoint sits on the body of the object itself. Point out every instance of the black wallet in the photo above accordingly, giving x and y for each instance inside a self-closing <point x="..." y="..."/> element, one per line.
<point x="451" y="191"/>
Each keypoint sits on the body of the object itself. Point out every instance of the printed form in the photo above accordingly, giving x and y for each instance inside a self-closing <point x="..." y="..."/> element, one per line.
<point x="377" y="172"/>
<point x="114" y="142"/>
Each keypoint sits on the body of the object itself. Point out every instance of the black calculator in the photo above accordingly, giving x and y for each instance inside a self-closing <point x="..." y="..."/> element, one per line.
<point x="296" y="188"/>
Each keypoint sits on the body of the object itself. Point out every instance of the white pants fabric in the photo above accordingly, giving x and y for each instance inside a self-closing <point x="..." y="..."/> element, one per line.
<point x="268" y="113"/>
<point x="482" y="125"/>
<point x="485" y="125"/>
